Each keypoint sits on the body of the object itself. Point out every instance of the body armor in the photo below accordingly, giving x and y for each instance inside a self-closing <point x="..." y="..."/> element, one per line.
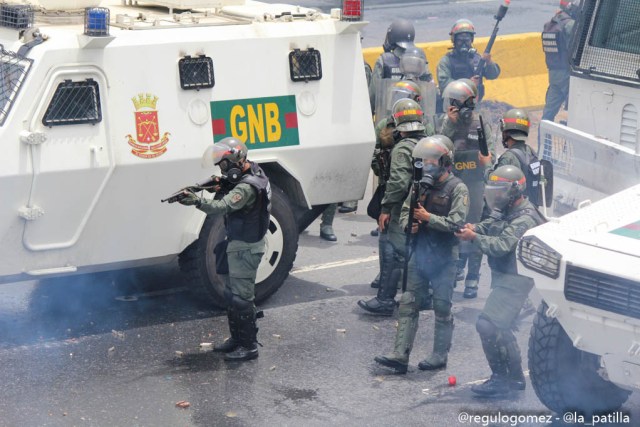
<point x="251" y="223"/>
<point x="554" y="43"/>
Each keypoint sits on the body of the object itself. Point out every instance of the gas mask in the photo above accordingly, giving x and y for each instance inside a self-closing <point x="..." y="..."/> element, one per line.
<point x="465" y="109"/>
<point x="431" y="173"/>
<point x="230" y="171"/>
<point x="463" y="44"/>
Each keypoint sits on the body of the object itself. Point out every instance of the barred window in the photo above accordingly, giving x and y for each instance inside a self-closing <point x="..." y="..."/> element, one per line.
<point x="305" y="65"/>
<point x="74" y="103"/>
<point x="196" y="73"/>
<point x="617" y="26"/>
<point x="13" y="72"/>
<point x="607" y="43"/>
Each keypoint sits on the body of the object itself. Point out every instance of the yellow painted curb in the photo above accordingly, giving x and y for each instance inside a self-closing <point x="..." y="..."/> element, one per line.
<point x="523" y="78"/>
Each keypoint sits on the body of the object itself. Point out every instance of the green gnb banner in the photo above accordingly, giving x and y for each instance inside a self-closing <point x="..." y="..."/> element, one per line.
<point x="258" y="122"/>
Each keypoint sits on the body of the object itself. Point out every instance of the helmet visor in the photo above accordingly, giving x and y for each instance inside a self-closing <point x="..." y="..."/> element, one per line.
<point x="497" y="195"/>
<point x="412" y="65"/>
<point x="214" y="155"/>
<point x="402" y="93"/>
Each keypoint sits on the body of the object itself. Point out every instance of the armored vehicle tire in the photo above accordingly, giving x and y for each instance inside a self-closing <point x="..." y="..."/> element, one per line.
<point x="564" y="377"/>
<point x="198" y="261"/>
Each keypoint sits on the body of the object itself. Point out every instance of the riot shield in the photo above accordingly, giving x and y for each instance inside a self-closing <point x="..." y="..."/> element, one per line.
<point x="383" y="104"/>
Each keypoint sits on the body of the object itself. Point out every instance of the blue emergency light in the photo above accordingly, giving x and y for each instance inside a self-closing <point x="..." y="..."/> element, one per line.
<point x="96" y="21"/>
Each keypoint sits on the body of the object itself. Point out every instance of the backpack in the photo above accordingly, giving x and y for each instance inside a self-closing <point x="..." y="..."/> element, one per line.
<point x="532" y="167"/>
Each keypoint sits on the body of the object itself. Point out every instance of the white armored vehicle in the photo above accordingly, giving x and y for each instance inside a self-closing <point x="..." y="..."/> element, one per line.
<point x="107" y="107"/>
<point x="584" y="347"/>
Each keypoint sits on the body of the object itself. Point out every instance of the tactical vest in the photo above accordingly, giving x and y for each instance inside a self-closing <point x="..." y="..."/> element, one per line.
<point x="250" y="224"/>
<point x="467" y="167"/>
<point x="438" y="202"/>
<point x="391" y="66"/>
<point x="554" y="43"/>
<point x="464" y="67"/>
<point x="507" y="263"/>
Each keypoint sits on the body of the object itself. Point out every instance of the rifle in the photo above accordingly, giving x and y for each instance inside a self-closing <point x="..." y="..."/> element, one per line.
<point x="415" y="190"/>
<point x="482" y="139"/>
<point x="209" y="184"/>
<point x="502" y="11"/>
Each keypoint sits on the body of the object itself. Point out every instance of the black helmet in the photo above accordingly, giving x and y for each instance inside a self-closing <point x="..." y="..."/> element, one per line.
<point x="400" y="33"/>
<point x="505" y="185"/>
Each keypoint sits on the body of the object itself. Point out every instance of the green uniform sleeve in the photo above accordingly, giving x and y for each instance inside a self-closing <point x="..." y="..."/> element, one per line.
<point x="507" y="240"/>
<point x="242" y="195"/>
<point x="491" y="71"/>
<point x="458" y="212"/>
<point x="448" y="128"/>
<point x="400" y="175"/>
<point x="491" y="142"/>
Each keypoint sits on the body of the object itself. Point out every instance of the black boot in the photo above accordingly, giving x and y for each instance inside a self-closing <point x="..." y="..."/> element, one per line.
<point x="514" y="362"/>
<point x="384" y="304"/>
<point x="232" y="342"/>
<point x="247" y="336"/>
<point x="497" y="385"/>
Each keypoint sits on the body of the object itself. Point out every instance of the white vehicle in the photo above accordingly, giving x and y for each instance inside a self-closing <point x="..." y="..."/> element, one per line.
<point x="105" y="111"/>
<point x="584" y="347"/>
<point x="598" y="152"/>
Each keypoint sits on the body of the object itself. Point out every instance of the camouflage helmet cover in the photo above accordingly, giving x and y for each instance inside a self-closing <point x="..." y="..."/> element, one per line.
<point x="516" y="123"/>
<point x="407" y="115"/>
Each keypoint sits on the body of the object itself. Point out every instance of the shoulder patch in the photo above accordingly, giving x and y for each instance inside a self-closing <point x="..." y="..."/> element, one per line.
<point x="236" y="198"/>
<point x="465" y="200"/>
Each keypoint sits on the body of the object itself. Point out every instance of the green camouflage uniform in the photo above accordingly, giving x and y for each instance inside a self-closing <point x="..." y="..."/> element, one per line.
<point x="441" y="283"/>
<point x="474" y="179"/>
<point x="508" y="158"/>
<point x="498" y="239"/>
<point x="244" y="258"/>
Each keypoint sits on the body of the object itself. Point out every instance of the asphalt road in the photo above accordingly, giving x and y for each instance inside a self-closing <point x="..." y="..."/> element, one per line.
<point x="122" y="349"/>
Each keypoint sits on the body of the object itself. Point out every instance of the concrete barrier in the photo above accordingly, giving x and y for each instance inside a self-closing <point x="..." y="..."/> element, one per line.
<point x="523" y="80"/>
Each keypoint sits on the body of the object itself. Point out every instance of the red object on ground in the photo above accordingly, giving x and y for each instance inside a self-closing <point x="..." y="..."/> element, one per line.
<point x="452" y="380"/>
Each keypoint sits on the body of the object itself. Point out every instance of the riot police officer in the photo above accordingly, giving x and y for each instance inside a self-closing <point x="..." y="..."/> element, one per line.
<point x="442" y="200"/>
<point x="407" y="117"/>
<point x="556" y="37"/>
<point x="461" y="125"/>
<point x="462" y="61"/>
<point x="497" y="237"/>
<point x="246" y="208"/>
<point x="400" y="35"/>
<point x="514" y="127"/>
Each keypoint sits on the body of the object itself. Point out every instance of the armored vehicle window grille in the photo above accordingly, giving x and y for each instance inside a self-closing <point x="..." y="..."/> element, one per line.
<point x="196" y="73"/>
<point x="18" y="16"/>
<point x="607" y="45"/>
<point x="74" y="103"/>
<point x="305" y="65"/>
<point x="603" y="291"/>
<point x="13" y="72"/>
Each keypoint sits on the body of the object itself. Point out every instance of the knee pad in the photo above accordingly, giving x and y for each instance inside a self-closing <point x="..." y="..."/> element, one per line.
<point x="442" y="308"/>
<point x="240" y="304"/>
<point x="408" y="305"/>
<point x="486" y="328"/>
